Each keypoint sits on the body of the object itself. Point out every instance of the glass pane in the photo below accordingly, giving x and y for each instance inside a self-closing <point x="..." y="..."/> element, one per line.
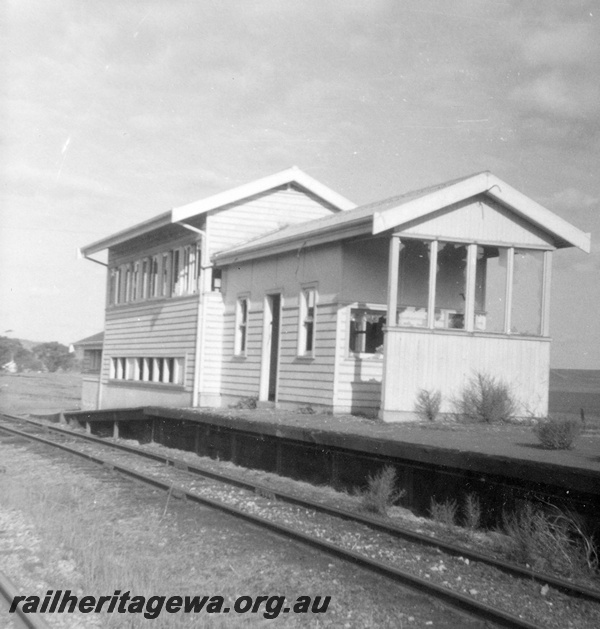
<point x="451" y="285"/>
<point x="490" y="289"/>
<point x="528" y="273"/>
<point x="413" y="289"/>
<point x="366" y="331"/>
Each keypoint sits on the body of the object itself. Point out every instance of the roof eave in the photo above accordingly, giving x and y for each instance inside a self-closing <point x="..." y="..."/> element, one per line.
<point x="140" y="229"/>
<point x="563" y="233"/>
<point x="317" y="237"/>
<point x="289" y="176"/>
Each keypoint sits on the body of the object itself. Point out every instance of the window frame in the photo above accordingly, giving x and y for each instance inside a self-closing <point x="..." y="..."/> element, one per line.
<point x="307" y="323"/>
<point x="470" y="325"/>
<point x="375" y="309"/>
<point x="242" y="317"/>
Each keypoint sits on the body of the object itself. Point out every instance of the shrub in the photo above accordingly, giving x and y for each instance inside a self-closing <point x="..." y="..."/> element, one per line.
<point x="554" y="541"/>
<point x="486" y="399"/>
<point x="557" y="433"/>
<point x="245" y="403"/>
<point x="444" y="512"/>
<point x="472" y="512"/>
<point x="381" y="492"/>
<point x="428" y="404"/>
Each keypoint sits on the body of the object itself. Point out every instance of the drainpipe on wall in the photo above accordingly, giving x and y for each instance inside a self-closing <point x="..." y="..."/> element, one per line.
<point x="204" y="266"/>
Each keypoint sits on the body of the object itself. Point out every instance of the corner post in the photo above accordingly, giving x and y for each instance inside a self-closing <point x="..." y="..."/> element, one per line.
<point x="392" y="308"/>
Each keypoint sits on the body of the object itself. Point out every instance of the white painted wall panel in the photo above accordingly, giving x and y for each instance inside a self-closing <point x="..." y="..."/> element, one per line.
<point x="423" y="360"/>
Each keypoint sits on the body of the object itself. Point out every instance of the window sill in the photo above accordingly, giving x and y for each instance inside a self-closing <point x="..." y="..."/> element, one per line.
<point x="365" y="356"/>
<point x="240" y="357"/>
<point x="308" y="358"/>
<point x="150" y="300"/>
<point x="474" y="333"/>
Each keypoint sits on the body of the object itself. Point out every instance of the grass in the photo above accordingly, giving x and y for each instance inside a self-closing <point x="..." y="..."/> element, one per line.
<point x="472" y="512"/>
<point x="381" y="492"/>
<point x="444" y="512"/>
<point x="550" y="540"/>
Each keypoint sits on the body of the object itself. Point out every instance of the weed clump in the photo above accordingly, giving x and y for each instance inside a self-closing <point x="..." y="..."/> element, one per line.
<point x="381" y="492"/>
<point x="553" y="541"/>
<point x="472" y="512"/>
<point x="486" y="399"/>
<point x="557" y="433"/>
<point x="428" y="404"/>
<point x="245" y="403"/>
<point x="444" y="512"/>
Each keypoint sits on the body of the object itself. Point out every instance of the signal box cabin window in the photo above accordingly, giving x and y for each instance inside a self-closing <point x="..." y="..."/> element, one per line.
<point x="366" y="331"/>
<point x="306" y="332"/>
<point x="471" y="287"/>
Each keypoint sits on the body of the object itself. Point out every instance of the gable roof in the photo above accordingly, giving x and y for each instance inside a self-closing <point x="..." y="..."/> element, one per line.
<point x="393" y="212"/>
<point x="291" y="176"/>
<point x="95" y="339"/>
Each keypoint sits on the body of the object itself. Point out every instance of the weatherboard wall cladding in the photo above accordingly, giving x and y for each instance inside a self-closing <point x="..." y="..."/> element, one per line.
<point x="454" y="359"/>
<point x="479" y="220"/>
<point x="162" y="328"/>
<point x="260" y="215"/>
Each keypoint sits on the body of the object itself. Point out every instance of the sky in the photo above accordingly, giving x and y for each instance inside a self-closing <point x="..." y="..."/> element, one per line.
<point x="116" y="111"/>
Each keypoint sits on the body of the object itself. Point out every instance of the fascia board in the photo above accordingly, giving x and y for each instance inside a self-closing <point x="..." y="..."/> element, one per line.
<point x="417" y="208"/>
<point x="497" y="189"/>
<point x="539" y="215"/>
<point x="127" y="234"/>
<point x="291" y="175"/>
<point x="296" y="242"/>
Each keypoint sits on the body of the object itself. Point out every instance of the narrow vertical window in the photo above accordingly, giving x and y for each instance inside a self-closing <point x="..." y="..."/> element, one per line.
<point x="241" y="326"/>
<point x="306" y="333"/>
<point x="145" y="281"/>
<point x="164" y="276"/>
<point x="128" y="276"/>
<point x="153" y="277"/>
<point x="135" y="280"/>
<point x="175" y="287"/>
<point x="115" y="276"/>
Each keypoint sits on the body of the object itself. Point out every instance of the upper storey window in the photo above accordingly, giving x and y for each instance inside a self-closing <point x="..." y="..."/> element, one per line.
<point x="171" y="273"/>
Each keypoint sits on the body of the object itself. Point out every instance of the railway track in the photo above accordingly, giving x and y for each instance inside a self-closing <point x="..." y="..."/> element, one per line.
<point x="20" y="620"/>
<point x="64" y="438"/>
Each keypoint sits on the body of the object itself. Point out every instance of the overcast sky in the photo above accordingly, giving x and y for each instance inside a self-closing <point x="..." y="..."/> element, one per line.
<point x="116" y="111"/>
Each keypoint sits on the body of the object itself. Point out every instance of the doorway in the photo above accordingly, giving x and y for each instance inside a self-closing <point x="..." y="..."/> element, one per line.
<point x="270" y="353"/>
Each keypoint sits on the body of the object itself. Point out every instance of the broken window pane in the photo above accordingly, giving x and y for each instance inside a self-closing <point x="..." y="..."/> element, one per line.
<point x="451" y="285"/>
<point x="413" y="289"/>
<point x="366" y="331"/>
<point x="490" y="289"/>
<point x="528" y="274"/>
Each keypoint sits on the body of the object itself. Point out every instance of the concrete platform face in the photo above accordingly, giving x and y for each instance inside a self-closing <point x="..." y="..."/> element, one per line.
<point x="507" y="450"/>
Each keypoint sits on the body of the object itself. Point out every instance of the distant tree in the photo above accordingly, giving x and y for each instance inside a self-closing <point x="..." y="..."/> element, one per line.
<point x="54" y="356"/>
<point x="12" y="349"/>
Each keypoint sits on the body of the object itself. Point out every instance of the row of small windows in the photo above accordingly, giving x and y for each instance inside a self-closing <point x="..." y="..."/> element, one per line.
<point x="148" y="369"/>
<point x="168" y="274"/>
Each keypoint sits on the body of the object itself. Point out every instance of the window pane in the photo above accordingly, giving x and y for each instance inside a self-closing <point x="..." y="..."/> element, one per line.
<point x="366" y="331"/>
<point x="451" y="285"/>
<point x="490" y="289"/>
<point x="413" y="289"/>
<point x="528" y="272"/>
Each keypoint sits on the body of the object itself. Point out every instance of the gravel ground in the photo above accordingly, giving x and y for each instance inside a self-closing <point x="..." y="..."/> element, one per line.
<point x="550" y="609"/>
<point x="116" y="535"/>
